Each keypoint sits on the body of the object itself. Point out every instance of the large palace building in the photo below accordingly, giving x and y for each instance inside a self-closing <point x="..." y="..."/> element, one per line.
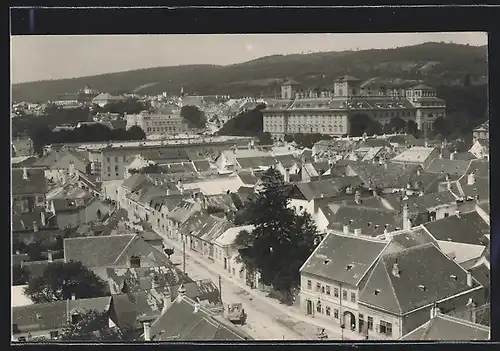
<point x="326" y="111"/>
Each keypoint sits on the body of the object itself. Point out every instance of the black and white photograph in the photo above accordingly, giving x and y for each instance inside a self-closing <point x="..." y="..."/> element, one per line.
<point x="250" y="187"/>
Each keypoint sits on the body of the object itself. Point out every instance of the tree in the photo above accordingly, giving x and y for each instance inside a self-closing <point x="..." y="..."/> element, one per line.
<point x="440" y="126"/>
<point x="34" y="250"/>
<point x="169" y="252"/>
<point x="246" y="123"/>
<point x="93" y="325"/>
<point x="265" y="139"/>
<point x="194" y="117"/>
<point x="288" y="138"/>
<point x="397" y="125"/>
<point x="60" y="280"/>
<point x="20" y="275"/>
<point x="412" y="127"/>
<point x="361" y="123"/>
<point x="136" y="133"/>
<point x="281" y="240"/>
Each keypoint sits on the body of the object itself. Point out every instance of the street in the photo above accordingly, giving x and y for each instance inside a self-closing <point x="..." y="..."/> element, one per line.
<point x="265" y="320"/>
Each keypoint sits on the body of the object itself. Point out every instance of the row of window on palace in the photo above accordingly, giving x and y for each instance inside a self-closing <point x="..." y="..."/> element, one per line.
<point x="325" y="289"/>
<point x="383" y="328"/>
<point x="161" y="129"/>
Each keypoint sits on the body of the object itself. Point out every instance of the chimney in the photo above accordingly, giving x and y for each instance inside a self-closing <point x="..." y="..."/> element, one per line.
<point x="25" y="173"/>
<point x="166" y="302"/>
<point x="458" y="213"/>
<point x="357" y="197"/>
<point x="395" y="269"/>
<point x="346" y="229"/>
<point x="71" y="169"/>
<point x="452" y="155"/>
<point x="471" y="178"/>
<point x="287" y="175"/>
<point x="357" y="232"/>
<point x="385" y="165"/>
<point x="43" y="219"/>
<point x="441" y="154"/>
<point x="147" y="331"/>
<point x="469" y="279"/>
<point x="374" y="192"/>
<point x="73" y="297"/>
<point x="168" y="192"/>
<point x="406" y="219"/>
<point x="49" y="256"/>
<point x="386" y="234"/>
<point x="35" y="226"/>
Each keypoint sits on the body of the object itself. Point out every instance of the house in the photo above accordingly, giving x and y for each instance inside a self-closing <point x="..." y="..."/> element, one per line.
<point x="161" y="206"/>
<point x="425" y="208"/>
<point x="71" y="213"/>
<point x="104" y="99"/>
<point x="61" y="165"/>
<point x="179" y="215"/>
<point x="481" y="132"/>
<point x="333" y="276"/>
<point x="128" y="250"/>
<point x="132" y="280"/>
<point x="220" y="185"/>
<point x="387" y="177"/>
<point x="225" y="255"/>
<point x="255" y="163"/>
<point x="201" y="229"/>
<point x="314" y="170"/>
<point x="404" y="286"/>
<point x="34" y="222"/>
<point x="186" y="319"/>
<point x="455" y="169"/>
<point x="418" y="155"/>
<point x="447" y="328"/>
<point x="152" y="238"/>
<point x="28" y="189"/>
<point x="47" y="320"/>
<point x="464" y="237"/>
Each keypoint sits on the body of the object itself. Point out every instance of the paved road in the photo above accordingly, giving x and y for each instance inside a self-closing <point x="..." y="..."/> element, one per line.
<point x="267" y="318"/>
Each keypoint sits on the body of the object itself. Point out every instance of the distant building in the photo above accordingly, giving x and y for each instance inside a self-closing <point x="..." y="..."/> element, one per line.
<point x="22" y="147"/>
<point x="166" y="120"/>
<point x="326" y="112"/>
<point x="105" y="98"/>
<point x="481" y="133"/>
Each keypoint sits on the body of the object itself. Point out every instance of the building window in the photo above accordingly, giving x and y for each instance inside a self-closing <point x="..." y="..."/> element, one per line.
<point x="336" y="292"/>
<point x="323" y="289"/>
<point x="328" y="289"/>
<point x="353" y="297"/>
<point x="116" y="159"/>
<point x="108" y="159"/>
<point x="309" y="285"/>
<point x="336" y="314"/>
<point x="385" y="328"/>
<point x="116" y="168"/>
<point x="327" y="311"/>
<point x="318" y="307"/>
<point x="344" y="295"/>
<point x="54" y="334"/>
<point x="370" y="323"/>
<point x="135" y="262"/>
<point x="318" y="287"/>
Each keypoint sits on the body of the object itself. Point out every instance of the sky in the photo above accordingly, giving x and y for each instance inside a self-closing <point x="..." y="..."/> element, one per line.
<point x="36" y="58"/>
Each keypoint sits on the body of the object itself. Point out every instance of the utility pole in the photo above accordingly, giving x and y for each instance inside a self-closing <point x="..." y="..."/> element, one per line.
<point x="183" y="254"/>
<point x="220" y="288"/>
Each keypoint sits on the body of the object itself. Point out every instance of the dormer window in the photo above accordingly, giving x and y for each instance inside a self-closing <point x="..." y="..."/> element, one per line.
<point x="349" y="267"/>
<point x="376" y="292"/>
<point x="75" y="317"/>
<point x="422" y="287"/>
<point x="135" y="262"/>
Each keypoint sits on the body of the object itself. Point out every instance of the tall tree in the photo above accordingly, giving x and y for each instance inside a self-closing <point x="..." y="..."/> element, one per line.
<point x="361" y="123"/>
<point x="20" y="275"/>
<point x="194" y="117"/>
<point x="412" y="127"/>
<point x="281" y="240"/>
<point x="60" y="280"/>
<point x="397" y="124"/>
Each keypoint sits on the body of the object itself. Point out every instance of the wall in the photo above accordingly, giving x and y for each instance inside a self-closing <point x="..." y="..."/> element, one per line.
<point x="378" y="316"/>
<point x="296" y="204"/>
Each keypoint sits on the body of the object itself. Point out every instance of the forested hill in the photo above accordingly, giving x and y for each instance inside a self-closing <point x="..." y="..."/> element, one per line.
<point x="435" y="63"/>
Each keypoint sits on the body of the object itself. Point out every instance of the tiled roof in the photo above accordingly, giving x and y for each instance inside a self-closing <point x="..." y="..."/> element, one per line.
<point x="144" y="278"/>
<point x="410" y="238"/>
<point x="389" y="175"/>
<point x="17" y="259"/>
<point x="371" y="221"/>
<point x="202" y="165"/>
<point x="421" y="86"/>
<point x="248" y="178"/>
<point x="464" y="156"/>
<point x="183" y="211"/>
<point x="37" y="268"/>
<point x="343" y="258"/>
<point x="34" y="184"/>
<point x="204" y="226"/>
<point x="415" y="154"/>
<point x="451" y="167"/>
<point x="256" y="162"/>
<point x="24" y="221"/>
<point x="96" y="251"/>
<point x="223" y="202"/>
<point x="424" y="276"/>
<point x="54" y="315"/>
<point x="179" y="322"/>
<point x="443" y="327"/>
<point x="326" y="187"/>
<point x="134" y="181"/>
<point x="227" y="238"/>
<point x="418" y="204"/>
<point x="469" y="228"/>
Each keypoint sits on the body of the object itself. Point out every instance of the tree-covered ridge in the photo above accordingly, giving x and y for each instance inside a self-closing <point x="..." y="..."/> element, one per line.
<point x="437" y="63"/>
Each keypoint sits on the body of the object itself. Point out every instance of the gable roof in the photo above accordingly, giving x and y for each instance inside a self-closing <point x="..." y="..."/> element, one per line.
<point x="134" y="181"/>
<point x="416" y="154"/>
<point x="227" y="238"/>
<point x="451" y="167"/>
<point x="389" y="175"/>
<point x="371" y="221"/>
<point x="326" y="187"/>
<point x="469" y="228"/>
<point x="444" y="327"/>
<point x="410" y="238"/>
<point x="426" y="275"/>
<point x="482" y="274"/>
<point x="179" y="322"/>
<point x="336" y="252"/>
